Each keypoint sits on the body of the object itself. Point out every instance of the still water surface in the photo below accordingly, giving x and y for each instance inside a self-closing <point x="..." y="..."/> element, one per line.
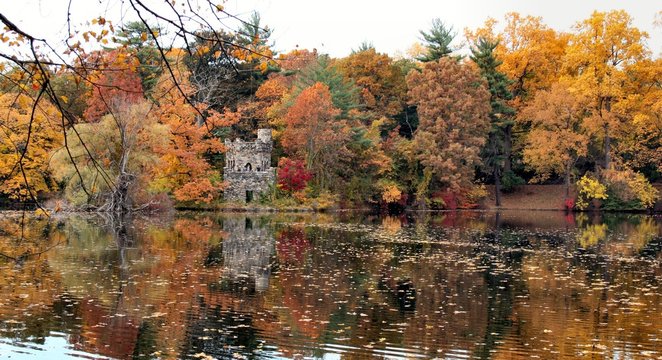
<point x="465" y="285"/>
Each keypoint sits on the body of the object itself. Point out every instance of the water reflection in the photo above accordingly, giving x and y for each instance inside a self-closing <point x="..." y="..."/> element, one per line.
<point x="247" y="250"/>
<point x="451" y="285"/>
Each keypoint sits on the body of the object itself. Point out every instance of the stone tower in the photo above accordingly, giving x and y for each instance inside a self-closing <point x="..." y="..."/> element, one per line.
<point x="248" y="170"/>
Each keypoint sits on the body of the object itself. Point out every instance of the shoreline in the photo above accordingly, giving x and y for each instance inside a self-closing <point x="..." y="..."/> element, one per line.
<point x="525" y="198"/>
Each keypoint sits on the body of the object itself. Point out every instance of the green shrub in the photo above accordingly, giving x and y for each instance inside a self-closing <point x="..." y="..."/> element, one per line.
<point x="509" y="181"/>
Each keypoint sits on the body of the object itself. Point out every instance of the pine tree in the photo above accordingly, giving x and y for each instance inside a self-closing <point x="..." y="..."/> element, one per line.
<point x="135" y="36"/>
<point x="497" y="152"/>
<point x="344" y="93"/>
<point x="438" y="41"/>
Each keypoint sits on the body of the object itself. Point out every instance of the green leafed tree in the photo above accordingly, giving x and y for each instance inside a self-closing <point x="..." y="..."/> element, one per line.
<point x="496" y="155"/>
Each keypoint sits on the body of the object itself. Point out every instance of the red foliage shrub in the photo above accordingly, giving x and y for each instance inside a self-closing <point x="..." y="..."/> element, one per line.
<point x="569" y="203"/>
<point x="292" y="175"/>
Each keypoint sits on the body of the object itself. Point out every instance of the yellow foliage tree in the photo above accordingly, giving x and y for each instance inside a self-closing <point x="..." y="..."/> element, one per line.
<point x="557" y="138"/>
<point x="531" y="52"/>
<point x="26" y="140"/>
<point x="382" y="84"/>
<point x="601" y="52"/>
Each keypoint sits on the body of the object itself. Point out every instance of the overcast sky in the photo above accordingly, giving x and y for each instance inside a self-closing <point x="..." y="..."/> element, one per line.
<point x="336" y="27"/>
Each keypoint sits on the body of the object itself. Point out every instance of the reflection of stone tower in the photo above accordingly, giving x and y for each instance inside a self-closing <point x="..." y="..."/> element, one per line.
<point x="248" y="250"/>
<point x="248" y="168"/>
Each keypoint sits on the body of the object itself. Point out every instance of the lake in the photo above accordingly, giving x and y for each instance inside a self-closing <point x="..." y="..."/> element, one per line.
<point x="465" y="285"/>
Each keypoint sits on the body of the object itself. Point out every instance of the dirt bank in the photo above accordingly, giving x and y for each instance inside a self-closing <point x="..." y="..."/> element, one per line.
<point x="538" y="197"/>
<point x="529" y="197"/>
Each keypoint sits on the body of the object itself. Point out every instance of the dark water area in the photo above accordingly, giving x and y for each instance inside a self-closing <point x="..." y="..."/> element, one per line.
<point x="465" y="285"/>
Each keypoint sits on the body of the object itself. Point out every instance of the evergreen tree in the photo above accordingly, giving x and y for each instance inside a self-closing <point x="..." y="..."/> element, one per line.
<point x="365" y="45"/>
<point x="255" y="37"/>
<point x="344" y="94"/>
<point x="438" y="41"/>
<point x="135" y="36"/>
<point x="497" y="151"/>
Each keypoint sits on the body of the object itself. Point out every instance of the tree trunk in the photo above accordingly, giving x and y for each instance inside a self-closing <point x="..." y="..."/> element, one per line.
<point x="507" y="148"/>
<point x="607" y="147"/>
<point x="567" y="180"/>
<point x="497" y="186"/>
<point x="495" y="170"/>
<point x="607" y="103"/>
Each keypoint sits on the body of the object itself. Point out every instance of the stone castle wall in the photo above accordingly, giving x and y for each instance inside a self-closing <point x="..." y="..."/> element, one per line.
<point x="248" y="167"/>
<point x="240" y="182"/>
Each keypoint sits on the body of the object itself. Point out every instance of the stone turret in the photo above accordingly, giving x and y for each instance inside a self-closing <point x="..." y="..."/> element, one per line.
<point x="264" y="135"/>
<point x="248" y="169"/>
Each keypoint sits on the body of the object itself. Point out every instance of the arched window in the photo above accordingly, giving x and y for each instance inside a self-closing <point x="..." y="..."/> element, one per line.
<point x="248" y="167"/>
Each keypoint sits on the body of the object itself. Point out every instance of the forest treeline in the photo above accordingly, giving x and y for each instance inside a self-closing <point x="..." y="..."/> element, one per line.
<point x="133" y="123"/>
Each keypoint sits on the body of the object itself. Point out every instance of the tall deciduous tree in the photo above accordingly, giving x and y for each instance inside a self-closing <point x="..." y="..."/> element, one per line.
<point x="184" y="169"/>
<point x="122" y="146"/>
<point x="558" y="137"/>
<point x="382" y="83"/>
<point x="497" y="154"/>
<point x="453" y="108"/>
<point x="314" y="133"/>
<point x="532" y="57"/>
<point x="117" y="83"/>
<point x="26" y="140"/>
<point x="532" y="53"/>
<point x="640" y="142"/>
<point x="600" y="52"/>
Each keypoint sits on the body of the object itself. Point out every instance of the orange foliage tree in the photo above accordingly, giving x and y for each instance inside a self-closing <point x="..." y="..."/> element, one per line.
<point x="116" y="82"/>
<point x="453" y="107"/>
<point x="558" y="137"/>
<point x="601" y="52"/>
<point x="314" y="133"/>
<point x="184" y="169"/>
<point x="382" y="84"/>
<point x="532" y="53"/>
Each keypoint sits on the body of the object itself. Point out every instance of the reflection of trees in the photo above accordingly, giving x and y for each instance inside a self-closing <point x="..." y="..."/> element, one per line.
<point x="476" y="288"/>
<point x="26" y="281"/>
<point x="500" y="262"/>
<point x="23" y="237"/>
<point x="291" y="245"/>
<point x="571" y="314"/>
<point x="635" y="232"/>
<point x="368" y="295"/>
<point x="643" y="232"/>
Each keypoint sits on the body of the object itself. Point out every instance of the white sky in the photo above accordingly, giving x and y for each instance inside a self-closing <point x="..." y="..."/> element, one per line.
<point x="335" y="27"/>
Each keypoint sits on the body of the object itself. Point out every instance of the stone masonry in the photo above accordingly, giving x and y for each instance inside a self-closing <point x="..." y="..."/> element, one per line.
<point x="247" y="250"/>
<point x="248" y="170"/>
